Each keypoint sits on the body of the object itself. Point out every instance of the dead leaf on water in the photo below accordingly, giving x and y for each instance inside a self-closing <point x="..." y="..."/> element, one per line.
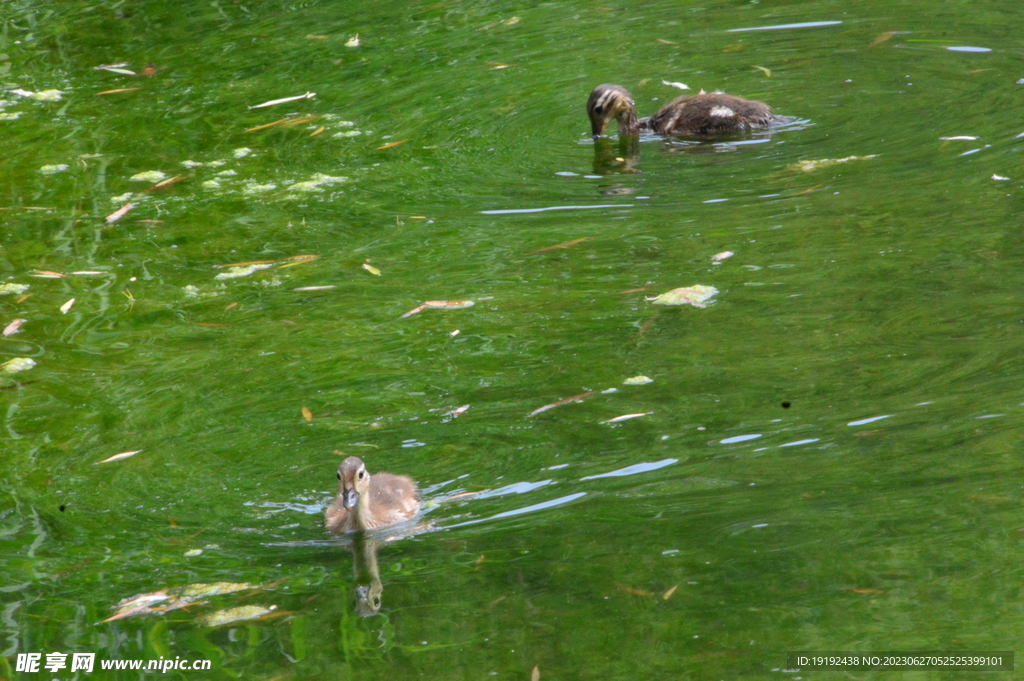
<point x="67" y="306"/>
<point x="46" y="274"/>
<point x="117" y="91"/>
<point x="635" y="290"/>
<point x="318" y="131"/>
<point x="677" y="85"/>
<point x="668" y="594"/>
<point x="239" y="614"/>
<point x="119" y="213"/>
<point x="866" y="592"/>
<point x="567" y="244"/>
<point x="888" y="35"/>
<point x="498" y="66"/>
<point x="274" y="102"/>
<point x="316" y="37"/>
<point x="307" y="414"/>
<point x="166" y="183"/>
<point x="808" y="166"/>
<point x="13" y="327"/>
<point x="193" y="591"/>
<point x="626" y="589"/>
<point x="767" y="72"/>
<point x="638" y="380"/>
<point x="568" y="400"/>
<point x="353" y="41"/>
<point x="246" y="264"/>
<point x="231" y="306"/>
<point x="719" y="257"/>
<point x="440" y="305"/>
<point x="371" y="269"/>
<point x="696" y="295"/>
<point x="298" y="260"/>
<point x="149" y="70"/>
<point x="627" y="417"/>
<point x="392" y="144"/>
<point x="535" y="674"/>
<point x="118" y="457"/>
<point x="665" y="42"/>
<point x="315" y="288"/>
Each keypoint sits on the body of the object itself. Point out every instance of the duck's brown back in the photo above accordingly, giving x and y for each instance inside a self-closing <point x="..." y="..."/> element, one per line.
<point x="710" y="114"/>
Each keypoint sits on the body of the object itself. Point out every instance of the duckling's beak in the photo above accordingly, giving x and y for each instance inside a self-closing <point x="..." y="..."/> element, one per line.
<point x="598" y="124"/>
<point x="350" y="498"/>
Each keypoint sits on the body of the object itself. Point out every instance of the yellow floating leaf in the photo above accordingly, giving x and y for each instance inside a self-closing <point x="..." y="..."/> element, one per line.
<point x="67" y="306"/>
<point x="193" y="591"/>
<point x="665" y="42"/>
<point x="567" y="244"/>
<point x="307" y="414"/>
<point x="767" y="72"/>
<point x="46" y="274"/>
<point x="888" y="35"/>
<point x="626" y="589"/>
<point x="439" y="305"/>
<point x="318" y="131"/>
<point x="535" y="674"/>
<point x="117" y="457"/>
<point x="11" y="288"/>
<point x="166" y="183"/>
<point x="638" y="380"/>
<point x="231" y="307"/>
<point x="568" y="400"/>
<point x="371" y="269"/>
<point x="668" y="594"/>
<point x="117" y="91"/>
<point x="696" y="295"/>
<point x="239" y="614"/>
<point x="392" y="144"/>
<point x="16" y="364"/>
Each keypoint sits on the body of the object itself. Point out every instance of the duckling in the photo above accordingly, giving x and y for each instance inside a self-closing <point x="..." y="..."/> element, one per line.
<point x="704" y="114"/>
<point x="366" y="503"/>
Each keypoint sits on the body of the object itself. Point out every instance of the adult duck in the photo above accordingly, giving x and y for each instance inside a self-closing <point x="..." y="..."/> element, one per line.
<point x="701" y="115"/>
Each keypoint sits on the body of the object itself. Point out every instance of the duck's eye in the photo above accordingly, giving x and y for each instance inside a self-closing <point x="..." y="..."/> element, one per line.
<point x="339" y="475"/>
<point x="362" y="474"/>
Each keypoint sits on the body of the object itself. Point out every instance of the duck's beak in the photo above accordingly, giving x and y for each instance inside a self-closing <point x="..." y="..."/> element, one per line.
<point x="350" y="498"/>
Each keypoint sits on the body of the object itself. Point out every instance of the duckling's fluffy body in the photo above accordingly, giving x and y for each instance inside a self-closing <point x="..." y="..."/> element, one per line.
<point x="366" y="502"/>
<point x="703" y="115"/>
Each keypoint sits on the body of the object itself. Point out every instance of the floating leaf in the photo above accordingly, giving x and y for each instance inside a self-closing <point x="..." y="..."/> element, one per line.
<point x="696" y="295"/>
<point x="440" y="305"/>
<point x="665" y="42"/>
<point x="118" y="91"/>
<point x="314" y="288"/>
<point x="626" y="417"/>
<point x="392" y="144"/>
<point x="46" y="274"/>
<point x="959" y="138"/>
<point x="236" y="272"/>
<point x="67" y="306"/>
<point x="119" y="213"/>
<point x="53" y="169"/>
<point x="632" y="591"/>
<point x="353" y="41"/>
<point x="118" y="457"/>
<point x="149" y="70"/>
<point x="767" y="72"/>
<point x="568" y="400"/>
<point x="719" y="257"/>
<point x="16" y="364"/>
<point x="371" y="269"/>
<point x="566" y="244"/>
<point x="808" y="166"/>
<point x="274" y="102"/>
<point x="638" y="380"/>
<point x="668" y="594"/>
<point x="999" y="177"/>
<point x="680" y="86"/>
<point x="239" y="614"/>
<point x="535" y="674"/>
<point x="13" y="327"/>
<point x="888" y="35"/>
<point x="193" y="591"/>
<point x="8" y="289"/>
<point x="307" y="414"/>
<point x="459" y="411"/>
<point x="166" y="183"/>
<point x="148" y="176"/>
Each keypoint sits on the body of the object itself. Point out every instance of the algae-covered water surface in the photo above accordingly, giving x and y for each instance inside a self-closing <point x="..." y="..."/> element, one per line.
<point x="215" y="218"/>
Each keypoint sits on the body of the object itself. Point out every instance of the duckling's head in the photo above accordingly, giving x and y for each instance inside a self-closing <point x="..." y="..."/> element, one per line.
<point x="353" y="480"/>
<point x="611" y="101"/>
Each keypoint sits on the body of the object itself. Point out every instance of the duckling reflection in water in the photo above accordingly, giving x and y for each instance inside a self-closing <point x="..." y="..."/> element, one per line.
<point x="701" y="115"/>
<point x="368" y="589"/>
<point x="366" y="502"/>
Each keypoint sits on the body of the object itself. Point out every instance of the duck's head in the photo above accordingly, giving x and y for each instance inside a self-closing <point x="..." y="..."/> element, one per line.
<point x="353" y="480"/>
<point x="611" y="101"/>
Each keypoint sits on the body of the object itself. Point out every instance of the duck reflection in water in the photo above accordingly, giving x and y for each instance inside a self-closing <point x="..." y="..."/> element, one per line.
<point x="365" y="505"/>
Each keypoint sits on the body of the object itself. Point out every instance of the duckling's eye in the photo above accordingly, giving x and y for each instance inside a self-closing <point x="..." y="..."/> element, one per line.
<point x="362" y="474"/>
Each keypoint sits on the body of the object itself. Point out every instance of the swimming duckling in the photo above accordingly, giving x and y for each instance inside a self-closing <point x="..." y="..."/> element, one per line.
<point x="366" y="503"/>
<point x="704" y="114"/>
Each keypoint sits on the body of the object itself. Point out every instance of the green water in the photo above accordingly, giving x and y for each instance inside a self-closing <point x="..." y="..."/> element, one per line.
<point x="883" y="288"/>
